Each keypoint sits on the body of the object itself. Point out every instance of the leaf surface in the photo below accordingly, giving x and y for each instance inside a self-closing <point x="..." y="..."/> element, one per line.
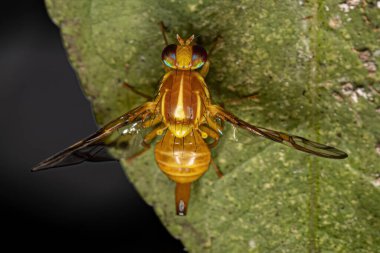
<point x="315" y="67"/>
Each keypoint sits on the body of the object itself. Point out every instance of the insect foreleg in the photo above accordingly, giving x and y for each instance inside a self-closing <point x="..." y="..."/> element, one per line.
<point x="205" y="68"/>
<point x="137" y="92"/>
<point x="163" y="31"/>
<point x="215" y="43"/>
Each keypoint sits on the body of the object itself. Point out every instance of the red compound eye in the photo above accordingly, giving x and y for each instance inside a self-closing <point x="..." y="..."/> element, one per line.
<point x="199" y="57"/>
<point x="168" y="56"/>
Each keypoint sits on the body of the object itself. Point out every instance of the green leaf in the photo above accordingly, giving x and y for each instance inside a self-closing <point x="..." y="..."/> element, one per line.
<point x="315" y="65"/>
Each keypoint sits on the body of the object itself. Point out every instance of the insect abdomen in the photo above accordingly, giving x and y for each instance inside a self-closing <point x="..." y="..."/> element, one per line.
<point x="185" y="159"/>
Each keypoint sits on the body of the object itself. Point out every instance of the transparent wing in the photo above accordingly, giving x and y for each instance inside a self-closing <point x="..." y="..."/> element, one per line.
<point x="293" y="141"/>
<point x="116" y="134"/>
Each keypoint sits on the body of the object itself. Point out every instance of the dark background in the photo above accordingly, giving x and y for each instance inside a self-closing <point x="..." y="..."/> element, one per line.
<point x="42" y="110"/>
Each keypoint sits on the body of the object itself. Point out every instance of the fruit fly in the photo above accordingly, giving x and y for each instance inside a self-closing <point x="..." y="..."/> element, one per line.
<point x="186" y="122"/>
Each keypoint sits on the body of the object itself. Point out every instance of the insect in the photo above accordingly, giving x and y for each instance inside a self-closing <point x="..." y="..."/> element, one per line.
<point x="186" y="122"/>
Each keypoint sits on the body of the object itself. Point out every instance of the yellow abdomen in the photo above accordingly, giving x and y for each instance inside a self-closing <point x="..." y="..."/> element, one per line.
<point x="185" y="159"/>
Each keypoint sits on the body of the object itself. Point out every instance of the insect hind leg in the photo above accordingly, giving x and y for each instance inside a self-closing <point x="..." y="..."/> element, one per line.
<point x="212" y="134"/>
<point x="216" y="168"/>
<point x="147" y="141"/>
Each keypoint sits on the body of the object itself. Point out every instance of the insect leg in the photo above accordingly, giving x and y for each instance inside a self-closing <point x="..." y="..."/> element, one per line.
<point x="216" y="168"/>
<point x="237" y="101"/>
<point x="212" y="134"/>
<point x="156" y="119"/>
<point x="163" y="31"/>
<point x="214" y="125"/>
<point x="204" y="70"/>
<point x="134" y="90"/>
<point x="215" y="42"/>
<point x="157" y="131"/>
<point x="147" y="140"/>
<point x="153" y="134"/>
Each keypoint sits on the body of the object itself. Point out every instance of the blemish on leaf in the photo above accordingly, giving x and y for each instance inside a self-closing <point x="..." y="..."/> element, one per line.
<point x="337" y="96"/>
<point x="363" y="93"/>
<point x="267" y="186"/>
<point x="344" y="7"/>
<point x="365" y="55"/>
<point x="252" y="244"/>
<point x="354" y="93"/>
<point x="192" y="7"/>
<point x="222" y="161"/>
<point x="376" y="53"/>
<point x="335" y="22"/>
<point x="376" y="181"/>
<point x="378" y="148"/>
<point x="370" y="66"/>
<point x="349" y="5"/>
<point x="353" y="2"/>
<point x="347" y="89"/>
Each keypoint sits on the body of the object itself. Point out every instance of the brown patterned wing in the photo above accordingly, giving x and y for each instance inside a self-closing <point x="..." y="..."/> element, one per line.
<point x="293" y="141"/>
<point x="93" y="148"/>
